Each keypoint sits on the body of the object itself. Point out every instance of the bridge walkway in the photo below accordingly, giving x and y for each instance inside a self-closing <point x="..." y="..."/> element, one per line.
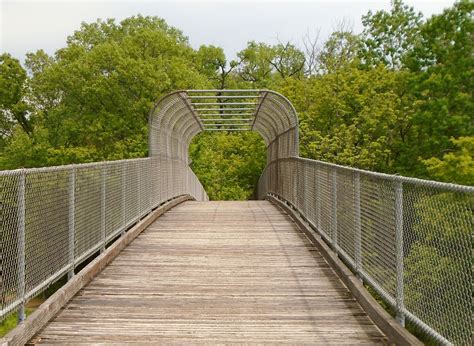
<point x="215" y="272"/>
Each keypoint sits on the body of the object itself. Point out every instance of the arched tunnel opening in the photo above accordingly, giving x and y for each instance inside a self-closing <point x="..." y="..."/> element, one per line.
<point x="228" y="164"/>
<point x="226" y="136"/>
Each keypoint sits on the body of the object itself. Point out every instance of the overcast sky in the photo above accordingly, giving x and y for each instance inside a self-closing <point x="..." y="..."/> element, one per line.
<point x="30" y="25"/>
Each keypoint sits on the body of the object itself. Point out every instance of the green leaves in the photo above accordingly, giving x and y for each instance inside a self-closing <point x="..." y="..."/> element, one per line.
<point x="389" y="36"/>
<point x="456" y="166"/>
<point x="13" y="108"/>
<point x="96" y="93"/>
<point x="262" y="64"/>
<point x="228" y="164"/>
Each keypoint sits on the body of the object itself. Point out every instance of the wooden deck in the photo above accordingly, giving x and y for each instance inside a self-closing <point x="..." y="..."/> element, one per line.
<point x="215" y="272"/>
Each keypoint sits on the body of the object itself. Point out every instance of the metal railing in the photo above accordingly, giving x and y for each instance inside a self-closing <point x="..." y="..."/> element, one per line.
<point x="55" y="218"/>
<point x="410" y="239"/>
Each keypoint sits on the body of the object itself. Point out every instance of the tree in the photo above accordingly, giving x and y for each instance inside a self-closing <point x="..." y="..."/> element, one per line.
<point x="261" y="64"/>
<point x="91" y="100"/>
<point x="340" y="50"/>
<point x="13" y="106"/>
<point x="255" y="64"/>
<point x="351" y="117"/>
<point x="442" y="84"/>
<point x="211" y="61"/>
<point x="456" y="166"/>
<point x="311" y="51"/>
<point x="288" y="61"/>
<point x="390" y="36"/>
<point x="228" y="164"/>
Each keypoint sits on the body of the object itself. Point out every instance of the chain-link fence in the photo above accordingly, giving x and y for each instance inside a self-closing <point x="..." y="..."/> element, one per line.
<point x="55" y="218"/>
<point x="410" y="239"/>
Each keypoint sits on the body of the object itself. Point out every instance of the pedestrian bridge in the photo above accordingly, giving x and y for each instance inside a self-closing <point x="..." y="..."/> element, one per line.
<point x="148" y="259"/>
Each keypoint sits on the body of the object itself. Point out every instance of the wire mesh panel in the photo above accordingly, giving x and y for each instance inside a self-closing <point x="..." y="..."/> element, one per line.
<point x="410" y="239"/>
<point x="345" y="212"/>
<point x="144" y="187"/>
<point x="46" y="251"/>
<point x="88" y="209"/>
<point x="55" y="218"/>
<point x="377" y="204"/>
<point x="12" y="221"/>
<point x="438" y="258"/>
<point x="114" y="195"/>
<point x="325" y="201"/>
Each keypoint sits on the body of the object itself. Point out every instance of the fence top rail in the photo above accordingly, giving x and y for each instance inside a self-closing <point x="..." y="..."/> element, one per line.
<point x="18" y="171"/>
<point x="392" y="177"/>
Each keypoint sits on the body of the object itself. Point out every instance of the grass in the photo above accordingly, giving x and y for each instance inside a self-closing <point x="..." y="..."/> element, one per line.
<point x="11" y="321"/>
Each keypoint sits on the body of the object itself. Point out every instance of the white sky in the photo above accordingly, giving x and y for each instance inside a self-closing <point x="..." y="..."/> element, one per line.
<point x="26" y="26"/>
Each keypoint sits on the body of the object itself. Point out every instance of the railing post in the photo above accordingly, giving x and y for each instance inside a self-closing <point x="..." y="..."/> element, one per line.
<point x="102" y="204"/>
<point x="296" y="192"/>
<point x="151" y="189"/>
<point x="304" y="191"/>
<point x="399" y="251"/>
<point x="318" y="197"/>
<point x="162" y="180"/>
<point x="358" y="228"/>
<point x="71" y="224"/>
<point x="123" y="182"/>
<point x="334" y="209"/>
<point x="21" y="245"/>
<point x="140" y="191"/>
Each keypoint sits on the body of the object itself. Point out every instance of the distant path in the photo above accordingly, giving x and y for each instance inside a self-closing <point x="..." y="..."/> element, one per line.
<point x="217" y="272"/>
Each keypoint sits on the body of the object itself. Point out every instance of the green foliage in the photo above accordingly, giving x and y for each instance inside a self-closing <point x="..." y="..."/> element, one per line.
<point x="339" y="51"/>
<point x="255" y="67"/>
<point x="456" y="166"/>
<point x="351" y="117"/>
<point x="13" y="108"/>
<point x="389" y="36"/>
<point x="92" y="99"/>
<point x="441" y="84"/>
<point x="262" y="64"/>
<point x="228" y="165"/>
<point x="11" y="322"/>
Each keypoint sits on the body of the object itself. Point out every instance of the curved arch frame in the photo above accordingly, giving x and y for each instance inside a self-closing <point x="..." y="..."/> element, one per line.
<point x="179" y="116"/>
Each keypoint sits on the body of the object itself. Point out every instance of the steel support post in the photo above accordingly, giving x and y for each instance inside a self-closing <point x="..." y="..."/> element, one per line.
<point x="296" y="189"/>
<point x="103" y="173"/>
<point x="123" y="189"/>
<point x="140" y="192"/>
<point x="71" y="220"/>
<point x="357" y="224"/>
<point x="21" y="245"/>
<point x="399" y="252"/>
<point x="151" y="189"/>
<point x="318" y="198"/>
<point x="334" y="209"/>
<point x="304" y="196"/>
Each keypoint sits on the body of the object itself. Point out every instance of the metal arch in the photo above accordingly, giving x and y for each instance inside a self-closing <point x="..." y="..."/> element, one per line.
<point x="179" y="116"/>
<point x="168" y="121"/>
<point x="173" y="138"/>
<point x="279" y="104"/>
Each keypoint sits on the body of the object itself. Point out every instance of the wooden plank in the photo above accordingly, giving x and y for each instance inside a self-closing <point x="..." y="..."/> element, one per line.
<point x="215" y="272"/>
